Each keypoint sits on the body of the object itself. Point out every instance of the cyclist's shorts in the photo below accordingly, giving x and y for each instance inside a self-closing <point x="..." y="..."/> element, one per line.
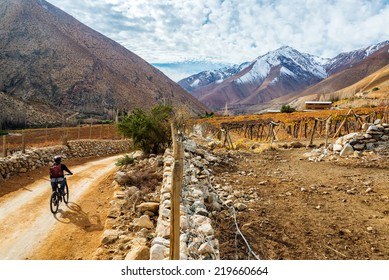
<point x="57" y="180"/>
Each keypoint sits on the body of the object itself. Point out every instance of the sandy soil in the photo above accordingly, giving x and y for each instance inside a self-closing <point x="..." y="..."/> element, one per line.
<point x="30" y="231"/>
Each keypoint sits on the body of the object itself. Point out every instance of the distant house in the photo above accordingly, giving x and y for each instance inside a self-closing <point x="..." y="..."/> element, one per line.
<point x="318" y="105"/>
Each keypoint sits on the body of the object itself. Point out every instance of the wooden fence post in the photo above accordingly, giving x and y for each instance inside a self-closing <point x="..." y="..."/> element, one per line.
<point x="177" y="179"/>
<point x="313" y="132"/>
<point x="4" y="145"/>
<point x="23" y="143"/>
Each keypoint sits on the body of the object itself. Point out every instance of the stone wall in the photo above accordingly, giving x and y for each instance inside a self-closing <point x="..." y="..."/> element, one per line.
<point x="197" y="240"/>
<point x="38" y="157"/>
<point x="373" y="136"/>
<point x="138" y="224"/>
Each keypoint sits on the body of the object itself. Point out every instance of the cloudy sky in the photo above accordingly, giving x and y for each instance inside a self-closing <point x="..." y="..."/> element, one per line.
<point x="177" y="36"/>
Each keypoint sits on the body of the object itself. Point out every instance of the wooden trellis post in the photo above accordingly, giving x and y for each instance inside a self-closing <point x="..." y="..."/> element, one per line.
<point x="177" y="179"/>
<point x="313" y="132"/>
<point x="23" y="143"/>
<point x="4" y="145"/>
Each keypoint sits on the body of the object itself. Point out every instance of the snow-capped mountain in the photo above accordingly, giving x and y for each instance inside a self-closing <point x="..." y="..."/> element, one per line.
<point x="291" y="63"/>
<point x="348" y="59"/>
<point x="205" y="78"/>
<point x="276" y="74"/>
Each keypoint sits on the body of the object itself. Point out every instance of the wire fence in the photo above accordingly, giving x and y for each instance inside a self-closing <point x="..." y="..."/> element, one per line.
<point x="20" y="140"/>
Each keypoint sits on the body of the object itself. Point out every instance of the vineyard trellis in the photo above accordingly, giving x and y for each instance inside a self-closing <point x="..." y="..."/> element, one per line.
<point x="303" y="128"/>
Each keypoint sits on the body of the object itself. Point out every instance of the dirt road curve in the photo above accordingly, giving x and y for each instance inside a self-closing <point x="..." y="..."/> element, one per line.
<point x="30" y="231"/>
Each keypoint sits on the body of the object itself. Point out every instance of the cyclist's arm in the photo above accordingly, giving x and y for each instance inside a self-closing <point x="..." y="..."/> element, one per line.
<point x="65" y="168"/>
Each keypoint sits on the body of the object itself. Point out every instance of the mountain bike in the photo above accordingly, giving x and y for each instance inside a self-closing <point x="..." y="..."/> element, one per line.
<point x="56" y="197"/>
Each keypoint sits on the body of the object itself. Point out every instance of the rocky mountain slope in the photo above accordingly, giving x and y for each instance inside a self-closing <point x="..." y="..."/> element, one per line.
<point x="280" y="76"/>
<point x="49" y="58"/>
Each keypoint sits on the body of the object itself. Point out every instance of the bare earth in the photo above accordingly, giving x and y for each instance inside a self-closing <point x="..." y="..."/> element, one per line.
<point x="337" y="209"/>
<point x="308" y="210"/>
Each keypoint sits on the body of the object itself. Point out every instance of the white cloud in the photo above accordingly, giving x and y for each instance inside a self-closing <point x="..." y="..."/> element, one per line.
<point x="233" y="30"/>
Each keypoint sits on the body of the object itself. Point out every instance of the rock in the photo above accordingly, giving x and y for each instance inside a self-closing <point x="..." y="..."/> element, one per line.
<point x="110" y="236"/>
<point x="119" y="194"/>
<point x="359" y="147"/>
<point x="141" y="252"/>
<point x="148" y="206"/>
<point x="296" y="145"/>
<point x="138" y="155"/>
<point x="337" y="147"/>
<point x="158" y="252"/>
<point x="347" y="150"/>
<point x="369" y="190"/>
<point x="144" y="222"/>
<point x="205" y="248"/>
<point x="122" y="178"/>
<point x="206" y="229"/>
<point x="161" y="241"/>
<point x="132" y="190"/>
<point x="240" y="206"/>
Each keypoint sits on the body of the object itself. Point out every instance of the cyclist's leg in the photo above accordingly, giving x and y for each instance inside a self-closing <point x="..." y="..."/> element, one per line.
<point x="54" y="186"/>
<point x="63" y="184"/>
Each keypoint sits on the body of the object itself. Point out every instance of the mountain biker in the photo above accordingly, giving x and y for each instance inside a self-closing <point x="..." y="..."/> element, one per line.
<point x="57" y="175"/>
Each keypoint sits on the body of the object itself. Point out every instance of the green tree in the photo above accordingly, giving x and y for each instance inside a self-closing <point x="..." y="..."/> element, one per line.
<point x="287" y="109"/>
<point x="150" y="131"/>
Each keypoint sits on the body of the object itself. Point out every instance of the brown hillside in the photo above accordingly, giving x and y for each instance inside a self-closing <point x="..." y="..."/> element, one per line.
<point x="48" y="57"/>
<point x="352" y="75"/>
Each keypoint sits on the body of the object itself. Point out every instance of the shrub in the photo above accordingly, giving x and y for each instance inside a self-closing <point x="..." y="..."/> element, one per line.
<point x="150" y="131"/>
<point x="287" y="109"/>
<point x="126" y="160"/>
<point x="375" y="89"/>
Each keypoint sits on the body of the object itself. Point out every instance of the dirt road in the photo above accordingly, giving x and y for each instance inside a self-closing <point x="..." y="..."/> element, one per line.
<point x="30" y="231"/>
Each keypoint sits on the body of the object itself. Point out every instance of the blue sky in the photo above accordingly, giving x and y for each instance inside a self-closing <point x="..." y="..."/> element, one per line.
<point x="178" y="35"/>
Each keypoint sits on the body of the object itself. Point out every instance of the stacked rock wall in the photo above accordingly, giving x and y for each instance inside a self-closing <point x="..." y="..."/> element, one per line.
<point x="38" y="157"/>
<point x="197" y="240"/>
<point x="373" y="136"/>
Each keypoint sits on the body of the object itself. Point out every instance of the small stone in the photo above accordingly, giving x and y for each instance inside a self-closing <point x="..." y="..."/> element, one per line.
<point x="240" y="206"/>
<point x="369" y="190"/>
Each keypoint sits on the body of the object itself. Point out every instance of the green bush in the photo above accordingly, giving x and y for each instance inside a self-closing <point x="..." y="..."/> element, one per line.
<point x="287" y="109"/>
<point x="126" y="160"/>
<point x="2" y="132"/>
<point x="375" y="89"/>
<point x="150" y="131"/>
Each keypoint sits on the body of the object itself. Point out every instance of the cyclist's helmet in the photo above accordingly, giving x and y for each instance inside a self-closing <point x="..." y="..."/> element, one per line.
<point x="57" y="159"/>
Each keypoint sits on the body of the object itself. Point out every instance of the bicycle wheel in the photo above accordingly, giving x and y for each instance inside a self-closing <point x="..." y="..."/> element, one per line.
<point x="54" y="202"/>
<point x="66" y="194"/>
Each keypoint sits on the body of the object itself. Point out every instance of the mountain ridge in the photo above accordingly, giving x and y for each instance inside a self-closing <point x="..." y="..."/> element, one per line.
<point x="49" y="57"/>
<point x="279" y="73"/>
